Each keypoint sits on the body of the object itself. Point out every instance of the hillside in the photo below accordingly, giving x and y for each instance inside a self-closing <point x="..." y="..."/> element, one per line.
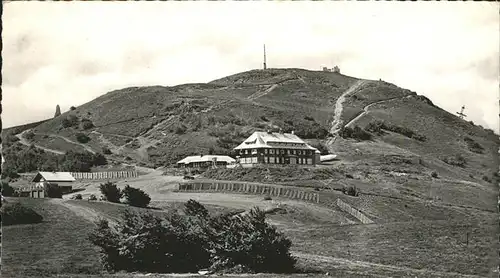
<point x="157" y="126"/>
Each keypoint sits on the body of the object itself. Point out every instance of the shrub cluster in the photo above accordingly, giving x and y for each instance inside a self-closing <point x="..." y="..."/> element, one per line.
<point x="192" y="241"/>
<point x="322" y="148"/>
<point x="82" y="137"/>
<point x="134" y="197"/>
<point x="351" y="191"/>
<point x="69" y="121"/>
<point x="86" y="124"/>
<point x="378" y="127"/>
<point x="473" y="145"/>
<point x="16" y="213"/>
<point x="7" y="190"/>
<point x="457" y="160"/>
<point x="355" y="133"/>
<point x="112" y="193"/>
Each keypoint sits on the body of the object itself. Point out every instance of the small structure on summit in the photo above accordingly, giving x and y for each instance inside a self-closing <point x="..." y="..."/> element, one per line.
<point x="336" y="69"/>
<point x="276" y="148"/>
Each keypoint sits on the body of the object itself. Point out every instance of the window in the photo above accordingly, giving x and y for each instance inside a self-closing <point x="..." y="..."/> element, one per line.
<point x="272" y="160"/>
<point x="254" y="159"/>
<point x="254" y="151"/>
<point x="265" y="151"/>
<point x="293" y="151"/>
<point x="309" y="161"/>
<point x="271" y="151"/>
<point x="282" y="151"/>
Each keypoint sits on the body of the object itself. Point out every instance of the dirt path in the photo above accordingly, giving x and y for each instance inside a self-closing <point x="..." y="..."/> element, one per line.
<point x="364" y="264"/>
<point x="25" y="142"/>
<point x="86" y="213"/>
<point x="336" y="125"/>
<point x="351" y="122"/>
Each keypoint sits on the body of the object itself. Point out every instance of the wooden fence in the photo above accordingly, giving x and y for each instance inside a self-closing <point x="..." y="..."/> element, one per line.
<point x="248" y="188"/>
<point x="104" y="175"/>
<point x="354" y="212"/>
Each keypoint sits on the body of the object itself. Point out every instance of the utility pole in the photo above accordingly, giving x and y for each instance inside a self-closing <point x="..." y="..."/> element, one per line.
<point x="461" y="113"/>
<point x="265" y="66"/>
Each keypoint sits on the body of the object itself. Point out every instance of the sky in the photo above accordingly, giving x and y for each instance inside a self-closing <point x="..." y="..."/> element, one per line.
<point x="69" y="53"/>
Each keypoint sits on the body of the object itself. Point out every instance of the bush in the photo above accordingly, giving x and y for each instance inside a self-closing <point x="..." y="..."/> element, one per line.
<point x="434" y="175"/>
<point x="473" y="146"/>
<point x="136" y="197"/>
<point x="486" y="179"/>
<point x="82" y="137"/>
<point x="29" y="135"/>
<point x="53" y="191"/>
<point x="86" y="124"/>
<point x="355" y="133"/>
<point x="92" y="197"/>
<point x="378" y="127"/>
<point x="16" y="213"/>
<point x="106" y="151"/>
<point x="322" y="148"/>
<point x="351" y="191"/>
<point x="77" y="197"/>
<point x="70" y="121"/>
<point x="111" y="192"/>
<point x="194" y="208"/>
<point x="457" y="160"/>
<point x="7" y="190"/>
<point x="72" y="108"/>
<point x="186" y="243"/>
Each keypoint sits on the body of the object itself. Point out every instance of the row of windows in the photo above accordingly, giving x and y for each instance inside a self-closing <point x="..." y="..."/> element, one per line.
<point x="277" y="151"/>
<point x="277" y="160"/>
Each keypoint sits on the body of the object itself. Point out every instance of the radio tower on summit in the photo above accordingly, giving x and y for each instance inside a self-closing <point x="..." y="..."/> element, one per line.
<point x="265" y="66"/>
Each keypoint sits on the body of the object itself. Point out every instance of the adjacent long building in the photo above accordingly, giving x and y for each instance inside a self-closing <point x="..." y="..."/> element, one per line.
<point x="276" y="148"/>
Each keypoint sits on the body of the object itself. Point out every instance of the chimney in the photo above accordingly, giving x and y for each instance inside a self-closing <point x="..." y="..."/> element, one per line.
<point x="269" y="131"/>
<point x="293" y="132"/>
<point x="281" y="131"/>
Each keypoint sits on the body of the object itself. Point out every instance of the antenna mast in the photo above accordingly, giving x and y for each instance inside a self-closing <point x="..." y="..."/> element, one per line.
<point x="461" y="113"/>
<point x="265" y="66"/>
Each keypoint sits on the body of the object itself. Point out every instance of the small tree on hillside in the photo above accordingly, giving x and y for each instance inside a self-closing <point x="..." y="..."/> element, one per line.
<point x="7" y="190"/>
<point x="194" y="208"/>
<point x="136" y="197"/>
<point x="111" y="192"/>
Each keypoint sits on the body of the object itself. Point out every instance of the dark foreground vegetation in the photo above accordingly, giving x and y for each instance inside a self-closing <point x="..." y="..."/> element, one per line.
<point x="16" y="213"/>
<point x="193" y="240"/>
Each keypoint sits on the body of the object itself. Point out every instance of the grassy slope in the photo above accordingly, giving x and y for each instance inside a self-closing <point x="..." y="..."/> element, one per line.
<point x="58" y="245"/>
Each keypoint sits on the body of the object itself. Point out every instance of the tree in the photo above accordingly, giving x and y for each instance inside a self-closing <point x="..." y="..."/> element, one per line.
<point x="194" y="208"/>
<point x="7" y="190"/>
<point x="111" y="192"/>
<point x="82" y="137"/>
<point x="136" y="197"/>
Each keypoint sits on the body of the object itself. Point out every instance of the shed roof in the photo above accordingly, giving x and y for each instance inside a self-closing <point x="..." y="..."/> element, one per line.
<point x="53" y="176"/>
<point x="260" y="139"/>
<point x="206" y="158"/>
